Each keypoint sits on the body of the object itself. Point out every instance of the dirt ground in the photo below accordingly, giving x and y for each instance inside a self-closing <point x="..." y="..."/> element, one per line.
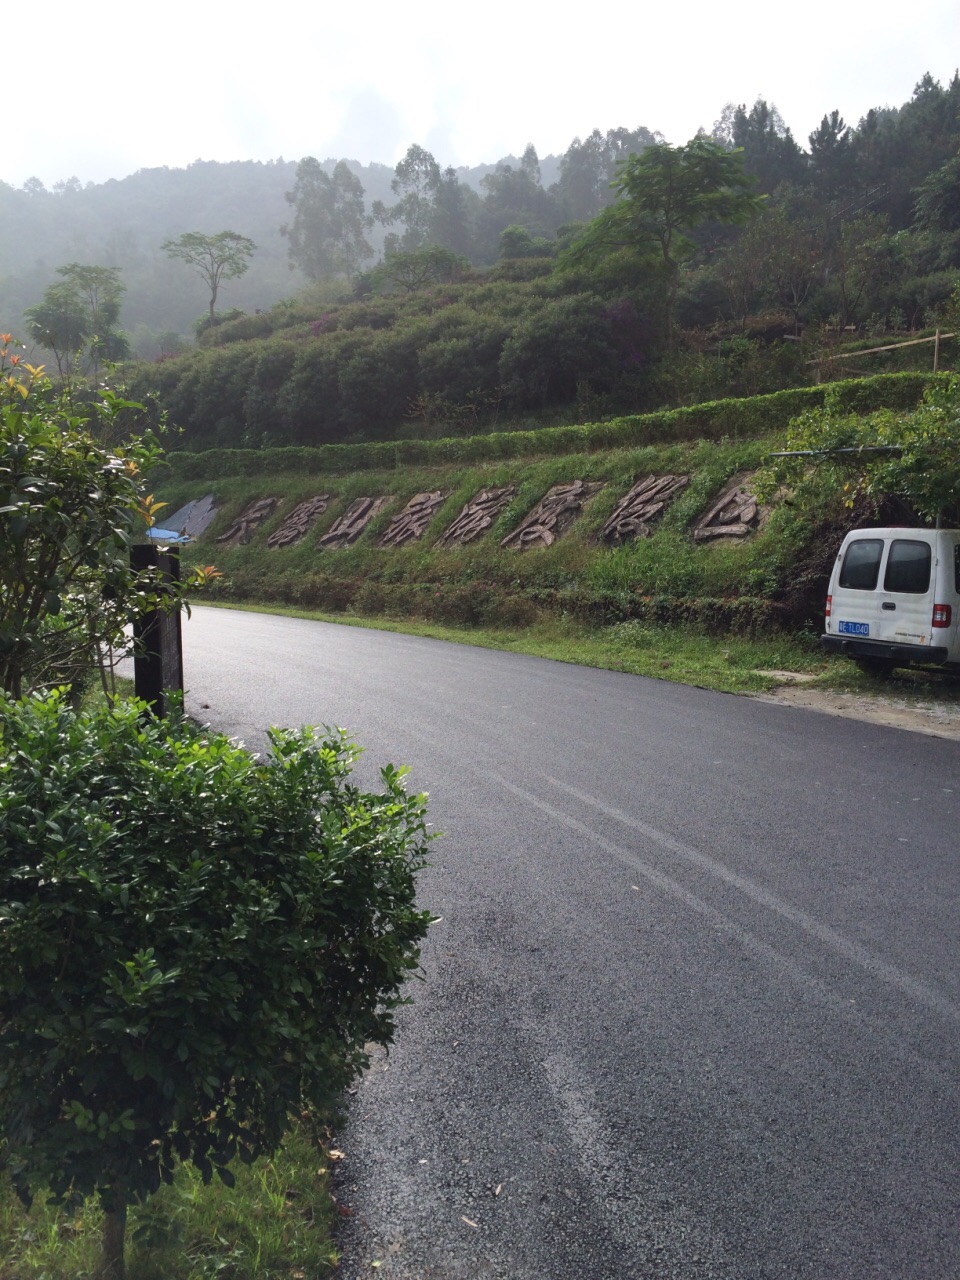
<point x="918" y="714"/>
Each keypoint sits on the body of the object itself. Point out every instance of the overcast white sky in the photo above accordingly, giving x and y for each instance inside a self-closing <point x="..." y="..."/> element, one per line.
<point x="109" y="87"/>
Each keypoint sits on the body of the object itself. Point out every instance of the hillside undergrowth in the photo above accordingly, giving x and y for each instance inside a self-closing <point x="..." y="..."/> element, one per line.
<point x="664" y="578"/>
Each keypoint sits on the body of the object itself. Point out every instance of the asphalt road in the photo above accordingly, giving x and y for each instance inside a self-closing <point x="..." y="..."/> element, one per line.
<point x="693" y="1006"/>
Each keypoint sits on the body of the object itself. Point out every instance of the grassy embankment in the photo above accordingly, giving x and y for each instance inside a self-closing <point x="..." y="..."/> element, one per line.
<point x="717" y="614"/>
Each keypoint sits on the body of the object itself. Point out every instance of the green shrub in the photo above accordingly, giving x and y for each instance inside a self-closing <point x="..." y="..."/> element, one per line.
<point x="918" y="459"/>
<point x="194" y="944"/>
<point x="309" y="400"/>
<point x="70" y="508"/>
<point x="267" y="377"/>
<point x="236" y="328"/>
<point x="563" y="342"/>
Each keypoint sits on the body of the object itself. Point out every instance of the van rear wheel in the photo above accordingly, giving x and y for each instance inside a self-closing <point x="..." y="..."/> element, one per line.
<point x="876" y="666"/>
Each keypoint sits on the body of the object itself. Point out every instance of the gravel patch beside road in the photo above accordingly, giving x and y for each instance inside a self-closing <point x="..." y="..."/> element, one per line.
<point x="919" y="715"/>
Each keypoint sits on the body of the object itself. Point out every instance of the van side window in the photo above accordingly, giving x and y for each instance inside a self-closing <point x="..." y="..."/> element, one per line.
<point x="861" y="565"/>
<point x="908" y="567"/>
<point x="956" y="567"/>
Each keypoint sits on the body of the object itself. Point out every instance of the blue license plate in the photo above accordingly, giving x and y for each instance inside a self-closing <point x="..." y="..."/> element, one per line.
<point x="854" y="628"/>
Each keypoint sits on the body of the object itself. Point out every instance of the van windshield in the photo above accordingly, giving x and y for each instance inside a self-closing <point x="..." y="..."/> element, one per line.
<point x="908" y="567"/>
<point x="861" y="565"/>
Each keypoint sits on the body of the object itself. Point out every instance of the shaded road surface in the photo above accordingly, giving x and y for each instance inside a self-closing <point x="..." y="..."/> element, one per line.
<point x="693" y="1006"/>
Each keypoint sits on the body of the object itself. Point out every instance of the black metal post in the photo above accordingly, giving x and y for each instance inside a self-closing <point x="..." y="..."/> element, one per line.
<point x="158" y="642"/>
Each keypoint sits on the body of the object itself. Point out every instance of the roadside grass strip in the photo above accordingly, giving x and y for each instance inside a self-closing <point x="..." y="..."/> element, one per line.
<point x="274" y="1224"/>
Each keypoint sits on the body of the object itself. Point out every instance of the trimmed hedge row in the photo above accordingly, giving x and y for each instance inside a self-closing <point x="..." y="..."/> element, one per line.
<point x="715" y="419"/>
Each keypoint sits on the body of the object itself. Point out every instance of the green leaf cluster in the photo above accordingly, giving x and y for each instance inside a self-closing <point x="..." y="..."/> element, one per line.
<point x="911" y="455"/>
<point x="194" y="944"/>
<point x="70" y="507"/>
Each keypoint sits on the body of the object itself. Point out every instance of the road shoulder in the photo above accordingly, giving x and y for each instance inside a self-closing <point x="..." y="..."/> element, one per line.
<point x="939" y="719"/>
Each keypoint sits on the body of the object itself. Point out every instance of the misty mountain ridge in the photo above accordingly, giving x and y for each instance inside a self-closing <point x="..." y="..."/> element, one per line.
<point x="842" y="203"/>
<point x="122" y="222"/>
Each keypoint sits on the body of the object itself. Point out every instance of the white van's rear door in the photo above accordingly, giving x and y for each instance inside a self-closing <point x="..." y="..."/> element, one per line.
<point x="854" y="589"/>
<point x="904" y="599"/>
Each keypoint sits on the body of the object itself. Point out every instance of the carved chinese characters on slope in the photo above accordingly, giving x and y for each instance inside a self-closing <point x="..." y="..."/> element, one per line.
<point x="735" y="514"/>
<point x="477" y="516"/>
<point x="299" y="521"/>
<point x="635" y="512"/>
<point x="551" y="516"/>
<point x="346" y="530"/>
<point x="409" y="524"/>
<point x="248" y="522"/>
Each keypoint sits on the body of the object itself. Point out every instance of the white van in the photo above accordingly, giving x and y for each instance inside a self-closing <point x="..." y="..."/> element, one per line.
<point x="894" y="598"/>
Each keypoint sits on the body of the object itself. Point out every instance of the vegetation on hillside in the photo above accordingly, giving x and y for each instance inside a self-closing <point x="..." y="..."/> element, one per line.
<point x="883" y="455"/>
<point x="859" y="230"/>
<point x="737" y="264"/>
<point x="734" y="418"/>
<point x="772" y="580"/>
<point x="657" y="293"/>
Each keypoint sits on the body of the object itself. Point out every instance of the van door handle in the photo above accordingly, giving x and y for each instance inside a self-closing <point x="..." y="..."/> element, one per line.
<point x="888" y="604"/>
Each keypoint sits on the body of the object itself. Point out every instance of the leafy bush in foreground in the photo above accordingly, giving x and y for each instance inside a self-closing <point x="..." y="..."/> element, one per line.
<point x="193" y="944"/>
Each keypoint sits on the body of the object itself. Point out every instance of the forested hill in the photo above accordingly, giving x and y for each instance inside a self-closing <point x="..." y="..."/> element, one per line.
<point x="859" y="227"/>
<point x="122" y="223"/>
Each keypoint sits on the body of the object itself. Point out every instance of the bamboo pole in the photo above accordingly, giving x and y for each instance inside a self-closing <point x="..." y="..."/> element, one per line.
<point x="893" y="346"/>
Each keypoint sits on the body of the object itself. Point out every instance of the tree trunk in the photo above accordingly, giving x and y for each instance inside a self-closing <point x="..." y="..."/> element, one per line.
<point x="669" y="311"/>
<point x="670" y="300"/>
<point x="114" y="1234"/>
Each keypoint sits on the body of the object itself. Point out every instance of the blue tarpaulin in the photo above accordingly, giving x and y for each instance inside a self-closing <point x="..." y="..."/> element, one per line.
<point x="165" y="535"/>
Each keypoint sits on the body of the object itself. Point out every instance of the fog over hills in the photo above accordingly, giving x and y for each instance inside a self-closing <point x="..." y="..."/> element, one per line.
<point x="123" y="222"/>
<point x="327" y="222"/>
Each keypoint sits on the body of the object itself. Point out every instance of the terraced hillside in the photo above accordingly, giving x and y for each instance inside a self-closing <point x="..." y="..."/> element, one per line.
<point x="587" y="521"/>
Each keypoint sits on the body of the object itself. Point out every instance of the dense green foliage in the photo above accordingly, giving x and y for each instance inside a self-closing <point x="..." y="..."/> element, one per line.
<point x="665" y="193"/>
<point x="880" y="454"/>
<point x="71" y="505"/>
<point x="861" y="229"/>
<point x="194" y="944"/>
<point x="456" y="355"/>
